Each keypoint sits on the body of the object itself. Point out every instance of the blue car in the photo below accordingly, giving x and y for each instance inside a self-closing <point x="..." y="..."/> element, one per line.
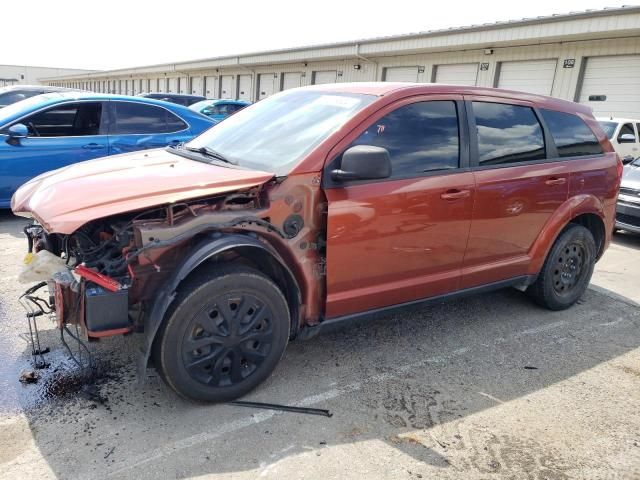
<point x="53" y="130"/>
<point x="218" y="110"/>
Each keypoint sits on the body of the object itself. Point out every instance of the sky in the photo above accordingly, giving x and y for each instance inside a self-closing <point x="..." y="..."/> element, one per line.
<point x="126" y="33"/>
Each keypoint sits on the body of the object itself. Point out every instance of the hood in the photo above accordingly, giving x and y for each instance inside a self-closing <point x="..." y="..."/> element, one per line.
<point x="631" y="177"/>
<point x="63" y="200"/>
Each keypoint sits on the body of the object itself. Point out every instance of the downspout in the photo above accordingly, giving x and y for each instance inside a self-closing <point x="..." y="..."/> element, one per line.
<point x="375" y="71"/>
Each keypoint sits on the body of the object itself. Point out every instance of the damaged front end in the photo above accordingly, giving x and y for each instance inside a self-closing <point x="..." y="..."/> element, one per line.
<point x="118" y="275"/>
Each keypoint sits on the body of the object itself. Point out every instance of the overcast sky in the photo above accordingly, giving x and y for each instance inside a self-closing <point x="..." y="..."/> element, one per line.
<point x="124" y="33"/>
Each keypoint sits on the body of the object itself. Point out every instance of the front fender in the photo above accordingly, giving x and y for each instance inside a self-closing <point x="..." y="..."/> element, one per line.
<point x="573" y="207"/>
<point x="208" y="247"/>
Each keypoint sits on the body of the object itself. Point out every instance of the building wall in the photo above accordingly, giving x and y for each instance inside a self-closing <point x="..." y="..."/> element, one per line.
<point x="552" y="51"/>
<point x="28" y="75"/>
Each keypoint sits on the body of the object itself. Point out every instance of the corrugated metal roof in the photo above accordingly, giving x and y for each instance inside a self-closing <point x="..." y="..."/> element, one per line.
<point x="348" y="48"/>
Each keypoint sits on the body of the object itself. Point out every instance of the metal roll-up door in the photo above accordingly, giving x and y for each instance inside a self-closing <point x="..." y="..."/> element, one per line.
<point x="183" y="85"/>
<point x="244" y="87"/>
<point x="611" y="85"/>
<point x="197" y="84"/>
<point x="226" y="86"/>
<point x="291" y="80"/>
<point x="173" y="85"/>
<point x="326" y="76"/>
<point x="211" y="87"/>
<point x="266" y="85"/>
<point x="401" y="74"/>
<point x="457" y="74"/>
<point x="532" y="76"/>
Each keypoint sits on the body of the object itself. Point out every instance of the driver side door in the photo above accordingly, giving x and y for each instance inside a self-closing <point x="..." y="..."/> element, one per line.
<point x="401" y="239"/>
<point x="58" y="136"/>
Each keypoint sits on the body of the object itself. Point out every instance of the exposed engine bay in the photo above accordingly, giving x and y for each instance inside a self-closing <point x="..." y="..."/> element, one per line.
<point x="104" y="277"/>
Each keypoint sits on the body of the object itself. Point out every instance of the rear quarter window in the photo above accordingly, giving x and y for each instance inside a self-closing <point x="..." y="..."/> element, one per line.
<point x="573" y="138"/>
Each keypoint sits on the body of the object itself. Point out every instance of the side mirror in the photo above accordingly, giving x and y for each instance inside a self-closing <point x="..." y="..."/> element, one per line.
<point x="18" y="130"/>
<point x="627" y="138"/>
<point x="627" y="159"/>
<point x="363" y="162"/>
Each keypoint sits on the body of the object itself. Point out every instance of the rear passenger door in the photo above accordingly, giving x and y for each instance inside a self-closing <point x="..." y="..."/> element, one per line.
<point x="520" y="183"/>
<point x="403" y="238"/>
<point x="138" y="126"/>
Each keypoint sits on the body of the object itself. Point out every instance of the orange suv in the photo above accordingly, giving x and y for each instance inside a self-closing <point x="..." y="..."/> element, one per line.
<point x="316" y="206"/>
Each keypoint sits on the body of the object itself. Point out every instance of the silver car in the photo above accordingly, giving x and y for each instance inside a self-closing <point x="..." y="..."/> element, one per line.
<point x="628" y="208"/>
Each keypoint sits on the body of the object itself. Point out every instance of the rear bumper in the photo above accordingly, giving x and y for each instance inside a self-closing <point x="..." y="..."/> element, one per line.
<point x="628" y="217"/>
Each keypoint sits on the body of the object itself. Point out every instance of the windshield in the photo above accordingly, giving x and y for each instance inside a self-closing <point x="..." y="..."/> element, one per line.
<point x="200" y="105"/>
<point x="609" y="128"/>
<point x="274" y="134"/>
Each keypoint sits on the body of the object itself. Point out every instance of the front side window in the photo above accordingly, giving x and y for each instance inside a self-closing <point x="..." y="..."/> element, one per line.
<point x="570" y="134"/>
<point x="420" y="137"/>
<point x="137" y="118"/>
<point x="507" y="134"/>
<point x="70" y="120"/>
<point x="627" y="129"/>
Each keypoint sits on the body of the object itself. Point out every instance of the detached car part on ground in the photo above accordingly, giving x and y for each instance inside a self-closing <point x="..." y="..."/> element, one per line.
<point x="317" y="206"/>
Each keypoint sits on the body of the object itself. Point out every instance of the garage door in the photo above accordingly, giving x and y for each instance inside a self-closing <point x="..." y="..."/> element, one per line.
<point x="211" y="87"/>
<point x="267" y="85"/>
<point x="457" y="74"/>
<point x="244" y="87"/>
<point x="173" y="85"/>
<point x="226" y="86"/>
<point x="183" y="85"/>
<point x="328" y="76"/>
<point x="617" y="80"/>
<point x="401" y="74"/>
<point x="535" y="76"/>
<point x="196" y="85"/>
<point x="291" y="80"/>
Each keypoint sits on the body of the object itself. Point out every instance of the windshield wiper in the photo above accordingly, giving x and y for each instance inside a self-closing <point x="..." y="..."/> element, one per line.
<point x="209" y="152"/>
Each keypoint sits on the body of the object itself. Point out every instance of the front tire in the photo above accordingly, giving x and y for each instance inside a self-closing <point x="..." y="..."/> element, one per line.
<point x="567" y="269"/>
<point x="224" y="336"/>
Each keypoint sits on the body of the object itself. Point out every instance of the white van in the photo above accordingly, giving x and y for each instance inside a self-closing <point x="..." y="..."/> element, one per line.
<point x="624" y="136"/>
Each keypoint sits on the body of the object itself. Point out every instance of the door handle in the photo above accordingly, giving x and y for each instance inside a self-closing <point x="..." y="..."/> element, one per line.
<point x="455" y="194"/>
<point x="556" y="181"/>
<point x="92" y="146"/>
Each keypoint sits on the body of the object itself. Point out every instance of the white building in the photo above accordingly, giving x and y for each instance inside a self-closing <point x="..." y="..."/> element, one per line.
<point x="28" y="75"/>
<point x="592" y="57"/>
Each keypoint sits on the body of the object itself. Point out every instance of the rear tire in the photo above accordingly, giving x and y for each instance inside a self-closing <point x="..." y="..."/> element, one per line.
<point x="567" y="269"/>
<point x="224" y="336"/>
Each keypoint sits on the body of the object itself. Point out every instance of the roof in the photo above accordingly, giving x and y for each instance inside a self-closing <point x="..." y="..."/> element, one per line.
<point x="354" y="48"/>
<point x="405" y="89"/>
<point x="618" y="119"/>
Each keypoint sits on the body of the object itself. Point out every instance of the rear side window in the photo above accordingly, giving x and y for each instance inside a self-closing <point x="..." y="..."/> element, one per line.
<point x="137" y="118"/>
<point x="507" y="134"/>
<point x="71" y="120"/>
<point x="420" y="137"/>
<point x="570" y="134"/>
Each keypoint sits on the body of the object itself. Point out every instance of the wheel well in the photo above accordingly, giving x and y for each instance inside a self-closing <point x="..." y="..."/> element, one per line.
<point x="595" y="225"/>
<point x="267" y="264"/>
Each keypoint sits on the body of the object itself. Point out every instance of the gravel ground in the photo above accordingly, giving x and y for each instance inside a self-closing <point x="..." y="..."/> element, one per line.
<point x="487" y="387"/>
